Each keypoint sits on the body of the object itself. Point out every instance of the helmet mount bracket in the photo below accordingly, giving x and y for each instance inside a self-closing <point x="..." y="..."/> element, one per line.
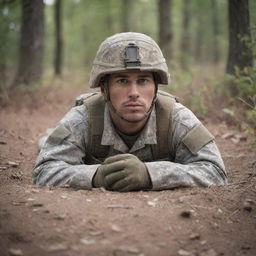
<point x="131" y="57"/>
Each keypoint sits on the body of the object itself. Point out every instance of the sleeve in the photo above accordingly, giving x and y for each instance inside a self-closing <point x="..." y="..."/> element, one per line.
<point x="60" y="161"/>
<point x="193" y="165"/>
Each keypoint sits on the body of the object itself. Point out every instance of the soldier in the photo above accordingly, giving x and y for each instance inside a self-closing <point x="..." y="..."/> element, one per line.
<point x="130" y="136"/>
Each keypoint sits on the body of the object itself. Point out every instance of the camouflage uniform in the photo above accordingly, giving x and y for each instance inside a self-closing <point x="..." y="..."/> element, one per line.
<point x="61" y="160"/>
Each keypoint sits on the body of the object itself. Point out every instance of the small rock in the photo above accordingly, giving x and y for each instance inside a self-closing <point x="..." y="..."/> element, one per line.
<point x="15" y="252"/>
<point x="34" y="190"/>
<point x="241" y="137"/>
<point x="203" y="242"/>
<point x="129" y="249"/>
<point x="184" y="253"/>
<point x="186" y="213"/>
<point x="194" y="236"/>
<point x="57" y="247"/>
<point x="12" y="164"/>
<point x="87" y="241"/>
<point x="248" y="204"/>
<point x="3" y="167"/>
<point x="30" y="199"/>
<point x="209" y="252"/>
<point x="3" y="142"/>
<point x="235" y="140"/>
<point x="116" y="228"/>
<point x="228" y="135"/>
<point x="153" y="202"/>
<point x="60" y="217"/>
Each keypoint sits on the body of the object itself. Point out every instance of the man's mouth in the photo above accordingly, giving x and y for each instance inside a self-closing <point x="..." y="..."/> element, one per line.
<point x="133" y="106"/>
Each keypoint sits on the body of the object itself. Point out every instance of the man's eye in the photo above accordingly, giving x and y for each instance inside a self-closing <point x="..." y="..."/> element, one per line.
<point x="143" y="81"/>
<point x="122" y="81"/>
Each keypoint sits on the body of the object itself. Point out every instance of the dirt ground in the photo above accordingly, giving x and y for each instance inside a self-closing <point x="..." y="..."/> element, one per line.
<point x="62" y="221"/>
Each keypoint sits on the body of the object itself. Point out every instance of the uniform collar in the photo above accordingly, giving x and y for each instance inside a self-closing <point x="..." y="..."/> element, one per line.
<point x="111" y="138"/>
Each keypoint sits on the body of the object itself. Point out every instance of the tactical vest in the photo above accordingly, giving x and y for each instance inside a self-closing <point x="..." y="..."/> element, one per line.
<point x="194" y="140"/>
<point x="95" y="104"/>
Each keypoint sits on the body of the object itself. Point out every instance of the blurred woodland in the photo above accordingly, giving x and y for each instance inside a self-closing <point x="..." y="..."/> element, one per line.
<point x="209" y="45"/>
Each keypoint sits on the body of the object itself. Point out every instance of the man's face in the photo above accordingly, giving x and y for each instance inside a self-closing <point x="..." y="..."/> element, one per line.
<point x="131" y="93"/>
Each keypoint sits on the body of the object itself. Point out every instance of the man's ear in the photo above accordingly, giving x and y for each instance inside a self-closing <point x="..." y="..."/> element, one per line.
<point x="104" y="90"/>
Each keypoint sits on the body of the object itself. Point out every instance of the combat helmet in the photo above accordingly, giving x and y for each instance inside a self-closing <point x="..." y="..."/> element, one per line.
<point x="128" y="51"/>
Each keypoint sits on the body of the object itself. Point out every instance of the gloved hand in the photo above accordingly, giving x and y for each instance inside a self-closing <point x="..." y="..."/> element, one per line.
<point x="124" y="172"/>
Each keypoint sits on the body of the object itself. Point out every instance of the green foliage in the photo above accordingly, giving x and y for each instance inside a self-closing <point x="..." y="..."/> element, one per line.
<point x="10" y="15"/>
<point x="245" y="83"/>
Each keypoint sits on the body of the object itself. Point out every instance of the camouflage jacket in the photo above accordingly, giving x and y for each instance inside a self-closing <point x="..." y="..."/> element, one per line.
<point x="61" y="159"/>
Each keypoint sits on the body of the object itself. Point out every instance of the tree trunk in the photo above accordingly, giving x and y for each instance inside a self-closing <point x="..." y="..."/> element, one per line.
<point x="185" y="38"/>
<point x="126" y="10"/>
<point x="31" y="43"/>
<point x="199" y="39"/>
<point x="165" y="30"/>
<point x="58" y="38"/>
<point x="216" y="32"/>
<point x="240" y="51"/>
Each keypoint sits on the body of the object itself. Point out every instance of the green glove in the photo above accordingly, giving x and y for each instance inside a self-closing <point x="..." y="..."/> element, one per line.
<point x="124" y="172"/>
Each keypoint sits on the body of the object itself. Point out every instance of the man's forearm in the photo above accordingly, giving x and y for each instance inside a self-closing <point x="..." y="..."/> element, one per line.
<point x="58" y="173"/>
<point x="204" y="169"/>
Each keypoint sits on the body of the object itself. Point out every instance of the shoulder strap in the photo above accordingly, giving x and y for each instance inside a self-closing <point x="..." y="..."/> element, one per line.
<point x="94" y="150"/>
<point x="164" y="108"/>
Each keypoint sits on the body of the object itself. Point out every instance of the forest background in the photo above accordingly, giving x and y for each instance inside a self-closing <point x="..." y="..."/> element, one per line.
<point x="209" y="45"/>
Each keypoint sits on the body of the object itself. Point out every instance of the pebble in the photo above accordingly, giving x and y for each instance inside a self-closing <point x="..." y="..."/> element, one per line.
<point x="57" y="247"/>
<point x="194" y="236"/>
<point x="116" y="228"/>
<point x="248" y="204"/>
<point x="186" y="213"/>
<point x="184" y="253"/>
<point x="87" y="241"/>
<point x="15" y="252"/>
<point x="12" y="164"/>
<point x="129" y="249"/>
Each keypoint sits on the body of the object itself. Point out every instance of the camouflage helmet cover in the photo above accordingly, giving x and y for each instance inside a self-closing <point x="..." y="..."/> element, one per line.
<point x="111" y="57"/>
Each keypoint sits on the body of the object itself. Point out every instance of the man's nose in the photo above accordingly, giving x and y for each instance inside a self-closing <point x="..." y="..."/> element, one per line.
<point x="133" y="90"/>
